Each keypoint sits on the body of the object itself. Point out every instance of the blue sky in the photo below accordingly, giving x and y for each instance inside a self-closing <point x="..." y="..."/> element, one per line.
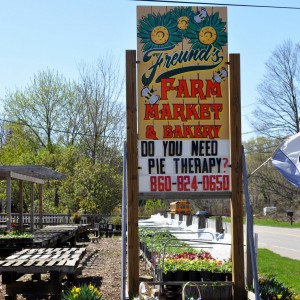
<point x="59" y="35"/>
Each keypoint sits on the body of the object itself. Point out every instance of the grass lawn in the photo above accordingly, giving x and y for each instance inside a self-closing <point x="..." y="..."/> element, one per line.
<point x="275" y="223"/>
<point x="285" y="270"/>
<point x="270" y="222"/>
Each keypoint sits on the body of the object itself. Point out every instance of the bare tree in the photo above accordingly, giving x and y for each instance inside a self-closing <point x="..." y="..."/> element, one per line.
<point x="277" y="115"/>
<point x="100" y="89"/>
<point x="267" y="187"/>
<point x="3" y="134"/>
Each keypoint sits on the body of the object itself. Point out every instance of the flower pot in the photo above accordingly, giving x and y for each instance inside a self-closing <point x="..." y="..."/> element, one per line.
<point x="228" y="276"/>
<point x="194" y="276"/>
<point x="180" y="275"/>
<point x="218" y="276"/>
<point x="169" y="276"/>
<point x="218" y="292"/>
<point x="205" y="275"/>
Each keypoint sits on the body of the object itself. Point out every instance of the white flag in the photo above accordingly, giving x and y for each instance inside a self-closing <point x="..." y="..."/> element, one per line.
<point x="286" y="159"/>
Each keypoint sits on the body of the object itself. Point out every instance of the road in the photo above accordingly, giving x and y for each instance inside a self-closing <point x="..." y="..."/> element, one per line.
<point x="283" y="241"/>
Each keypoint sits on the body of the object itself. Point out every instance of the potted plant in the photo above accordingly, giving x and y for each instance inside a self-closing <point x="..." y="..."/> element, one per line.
<point x="117" y="222"/>
<point x="76" y="218"/>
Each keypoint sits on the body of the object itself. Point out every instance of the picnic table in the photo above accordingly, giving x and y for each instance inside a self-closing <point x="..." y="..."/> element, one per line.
<point x="58" y="262"/>
<point x="49" y="236"/>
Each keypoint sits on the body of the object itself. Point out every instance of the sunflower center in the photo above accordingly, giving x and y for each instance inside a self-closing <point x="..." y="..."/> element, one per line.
<point x="183" y="23"/>
<point x="207" y="35"/>
<point x="160" y="35"/>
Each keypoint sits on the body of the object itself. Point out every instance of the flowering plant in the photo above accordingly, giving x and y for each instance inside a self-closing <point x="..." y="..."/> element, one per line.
<point x="195" y="261"/>
<point x="270" y="288"/>
<point x="84" y="292"/>
<point x="16" y="234"/>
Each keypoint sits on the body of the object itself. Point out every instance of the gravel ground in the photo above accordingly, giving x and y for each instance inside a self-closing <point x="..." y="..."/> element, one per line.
<point x="101" y="267"/>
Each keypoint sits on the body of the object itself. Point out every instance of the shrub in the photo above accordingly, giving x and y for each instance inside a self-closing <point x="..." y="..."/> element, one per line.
<point x="271" y="289"/>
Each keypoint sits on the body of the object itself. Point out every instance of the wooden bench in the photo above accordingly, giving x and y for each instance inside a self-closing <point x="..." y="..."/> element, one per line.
<point x="58" y="262"/>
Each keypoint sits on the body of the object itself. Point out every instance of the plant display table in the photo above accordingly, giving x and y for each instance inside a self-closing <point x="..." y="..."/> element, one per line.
<point x="58" y="262"/>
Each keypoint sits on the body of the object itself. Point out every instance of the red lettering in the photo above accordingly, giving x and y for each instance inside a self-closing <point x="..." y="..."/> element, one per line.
<point x="165" y="112"/>
<point x="191" y="112"/>
<point x="216" y="108"/>
<point x="151" y="111"/>
<point x="204" y="112"/>
<point x="187" y="131"/>
<point x="196" y="87"/>
<point x="192" y="131"/>
<point x="183" y="112"/>
<point x="178" y="112"/>
<point x="182" y="89"/>
<point x="166" y="86"/>
<point x="213" y="88"/>
<point x="168" y="131"/>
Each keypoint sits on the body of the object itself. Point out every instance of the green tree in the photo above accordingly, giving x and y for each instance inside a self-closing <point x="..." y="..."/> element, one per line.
<point x="42" y="107"/>
<point x="74" y="128"/>
<point x="20" y="145"/>
<point x="152" y="207"/>
<point x="97" y="187"/>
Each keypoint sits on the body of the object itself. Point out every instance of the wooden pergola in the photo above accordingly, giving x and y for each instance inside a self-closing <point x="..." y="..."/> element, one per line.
<point x="35" y="174"/>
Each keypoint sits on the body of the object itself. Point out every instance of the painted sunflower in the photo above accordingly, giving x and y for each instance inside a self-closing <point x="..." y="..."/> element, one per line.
<point x="210" y="31"/>
<point x="183" y="17"/>
<point x="158" y="32"/>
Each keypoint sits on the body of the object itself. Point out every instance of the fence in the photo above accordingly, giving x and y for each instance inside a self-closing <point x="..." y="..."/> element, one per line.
<point x="49" y="219"/>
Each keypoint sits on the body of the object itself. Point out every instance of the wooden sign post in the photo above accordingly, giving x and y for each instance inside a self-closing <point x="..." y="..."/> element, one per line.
<point x="132" y="176"/>
<point x="237" y="234"/>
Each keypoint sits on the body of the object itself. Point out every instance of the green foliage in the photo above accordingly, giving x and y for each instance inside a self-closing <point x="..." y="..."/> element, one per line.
<point x="276" y="223"/>
<point x="16" y="234"/>
<point x="270" y="289"/>
<point x="191" y="261"/>
<point x="154" y="206"/>
<point x="83" y="292"/>
<point x="41" y="106"/>
<point x="284" y="269"/>
<point x="21" y="146"/>
<point x="97" y="188"/>
<point x="116" y="220"/>
<point x="269" y="222"/>
<point x="76" y="129"/>
<point x="76" y="217"/>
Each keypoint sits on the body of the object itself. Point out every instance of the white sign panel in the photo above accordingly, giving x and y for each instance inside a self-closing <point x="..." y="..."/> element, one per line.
<point x="184" y="166"/>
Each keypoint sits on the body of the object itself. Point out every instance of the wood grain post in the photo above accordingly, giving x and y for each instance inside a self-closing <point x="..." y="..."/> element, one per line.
<point x="41" y="205"/>
<point x="21" y="202"/>
<point x="8" y="202"/>
<point x="237" y="232"/>
<point x="31" y="207"/>
<point x="132" y="176"/>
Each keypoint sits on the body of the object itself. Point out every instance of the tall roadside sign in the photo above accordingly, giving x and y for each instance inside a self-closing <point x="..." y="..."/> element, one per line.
<point x="183" y="102"/>
<point x="188" y="137"/>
